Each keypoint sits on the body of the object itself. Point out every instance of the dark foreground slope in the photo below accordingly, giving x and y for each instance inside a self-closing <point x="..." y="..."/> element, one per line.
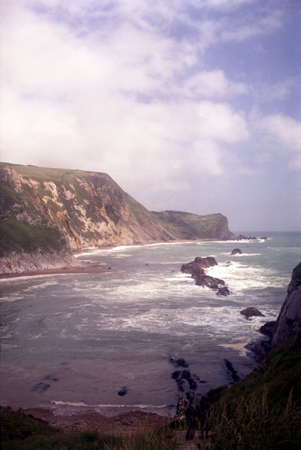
<point x="46" y="214"/>
<point x="263" y="411"/>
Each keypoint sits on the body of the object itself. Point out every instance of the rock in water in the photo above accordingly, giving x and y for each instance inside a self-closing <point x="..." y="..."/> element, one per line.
<point x="236" y="251"/>
<point x="251" y="311"/>
<point x="123" y="391"/>
<point x="223" y="291"/>
<point x="196" y="269"/>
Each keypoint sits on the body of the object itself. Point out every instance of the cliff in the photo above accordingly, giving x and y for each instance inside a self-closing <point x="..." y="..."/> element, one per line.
<point x="288" y="322"/>
<point x="47" y="214"/>
<point x="193" y="226"/>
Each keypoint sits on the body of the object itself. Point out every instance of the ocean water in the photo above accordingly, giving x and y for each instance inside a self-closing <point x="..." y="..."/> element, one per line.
<point x="109" y="342"/>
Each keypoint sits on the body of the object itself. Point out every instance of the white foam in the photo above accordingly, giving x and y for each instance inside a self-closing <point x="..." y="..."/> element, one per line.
<point x="113" y="405"/>
<point x="11" y="298"/>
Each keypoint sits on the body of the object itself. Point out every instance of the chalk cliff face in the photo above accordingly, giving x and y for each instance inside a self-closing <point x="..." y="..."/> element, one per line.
<point x="46" y="214"/>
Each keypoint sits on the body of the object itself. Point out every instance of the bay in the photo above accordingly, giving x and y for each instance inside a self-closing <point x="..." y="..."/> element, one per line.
<point x="76" y="342"/>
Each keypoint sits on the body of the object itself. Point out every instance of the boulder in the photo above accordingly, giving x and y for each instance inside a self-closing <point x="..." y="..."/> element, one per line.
<point x="207" y="280"/>
<point x="236" y="251"/>
<point x="251" y="311"/>
<point x="123" y="391"/>
<point x="198" y="265"/>
<point x="223" y="291"/>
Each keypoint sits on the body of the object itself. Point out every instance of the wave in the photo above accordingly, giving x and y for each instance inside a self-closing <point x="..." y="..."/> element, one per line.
<point x="82" y="404"/>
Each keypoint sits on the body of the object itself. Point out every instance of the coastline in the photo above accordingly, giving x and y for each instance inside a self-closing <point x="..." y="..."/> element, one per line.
<point x="88" y="268"/>
<point x="80" y="269"/>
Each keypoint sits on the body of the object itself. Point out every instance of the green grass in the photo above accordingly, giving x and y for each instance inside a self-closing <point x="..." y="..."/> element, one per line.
<point x="193" y="226"/>
<point x="280" y="374"/>
<point x="17" y="235"/>
<point x="263" y="411"/>
<point x="251" y="423"/>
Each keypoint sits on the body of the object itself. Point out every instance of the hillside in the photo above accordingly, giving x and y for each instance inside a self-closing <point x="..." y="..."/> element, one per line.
<point x="193" y="226"/>
<point x="47" y="214"/>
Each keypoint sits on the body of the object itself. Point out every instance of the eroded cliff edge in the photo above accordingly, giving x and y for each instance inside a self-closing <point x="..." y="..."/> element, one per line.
<point x="288" y="322"/>
<point x="47" y="214"/>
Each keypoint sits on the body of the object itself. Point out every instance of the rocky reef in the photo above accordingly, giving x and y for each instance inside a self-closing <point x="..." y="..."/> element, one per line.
<point x="197" y="270"/>
<point x="288" y="322"/>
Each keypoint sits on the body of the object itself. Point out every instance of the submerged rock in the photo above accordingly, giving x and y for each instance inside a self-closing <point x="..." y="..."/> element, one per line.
<point x="123" y="391"/>
<point x="231" y="371"/>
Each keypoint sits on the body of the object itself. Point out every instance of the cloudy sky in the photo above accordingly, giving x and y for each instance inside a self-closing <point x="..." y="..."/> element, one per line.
<point x="193" y="105"/>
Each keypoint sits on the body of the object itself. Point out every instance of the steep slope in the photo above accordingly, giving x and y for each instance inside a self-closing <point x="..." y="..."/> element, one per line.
<point x="263" y="411"/>
<point x="288" y="322"/>
<point x="193" y="226"/>
<point x="53" y="211"/>
<point x="46" y="214"/>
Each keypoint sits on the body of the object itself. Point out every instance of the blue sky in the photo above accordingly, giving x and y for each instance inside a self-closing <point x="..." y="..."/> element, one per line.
<point x="189" y="105"/>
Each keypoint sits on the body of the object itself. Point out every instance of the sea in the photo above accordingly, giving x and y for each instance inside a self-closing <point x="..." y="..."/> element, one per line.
<point x="115" y="342"/>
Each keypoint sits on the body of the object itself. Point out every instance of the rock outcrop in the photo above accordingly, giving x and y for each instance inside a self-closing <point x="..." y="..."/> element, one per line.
<point x="197" y="270"/>
<point x="288" y="322"/>
<point x="236" y="251"/>
<point x="250" y="312"/>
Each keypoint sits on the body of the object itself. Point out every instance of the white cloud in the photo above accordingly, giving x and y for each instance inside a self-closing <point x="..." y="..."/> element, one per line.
<point x="282" y="133"/>
<point x="227" y="4"/>
<point x="254" y="25"/>
<point x="124" y="87"/>
<point x="212" y="84"/>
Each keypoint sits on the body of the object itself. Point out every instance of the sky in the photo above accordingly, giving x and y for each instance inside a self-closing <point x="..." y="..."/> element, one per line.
<point x="189" y="105"/>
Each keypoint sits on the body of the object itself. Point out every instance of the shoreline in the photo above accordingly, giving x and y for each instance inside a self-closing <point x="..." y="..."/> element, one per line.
<point x="80" y="269"/>
<point x="93" y="421"/>
<point x="90" y="268"/>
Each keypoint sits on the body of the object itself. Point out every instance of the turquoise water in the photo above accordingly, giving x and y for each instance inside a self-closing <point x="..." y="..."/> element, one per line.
<point x="73" y="342"/>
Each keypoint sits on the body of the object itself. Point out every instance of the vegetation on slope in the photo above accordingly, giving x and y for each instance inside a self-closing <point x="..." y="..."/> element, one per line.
<point x="20" y="432"/>
<point x="263" y="411"/>
<point x="193" y="226"/>
<point x="49" y="210"/>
